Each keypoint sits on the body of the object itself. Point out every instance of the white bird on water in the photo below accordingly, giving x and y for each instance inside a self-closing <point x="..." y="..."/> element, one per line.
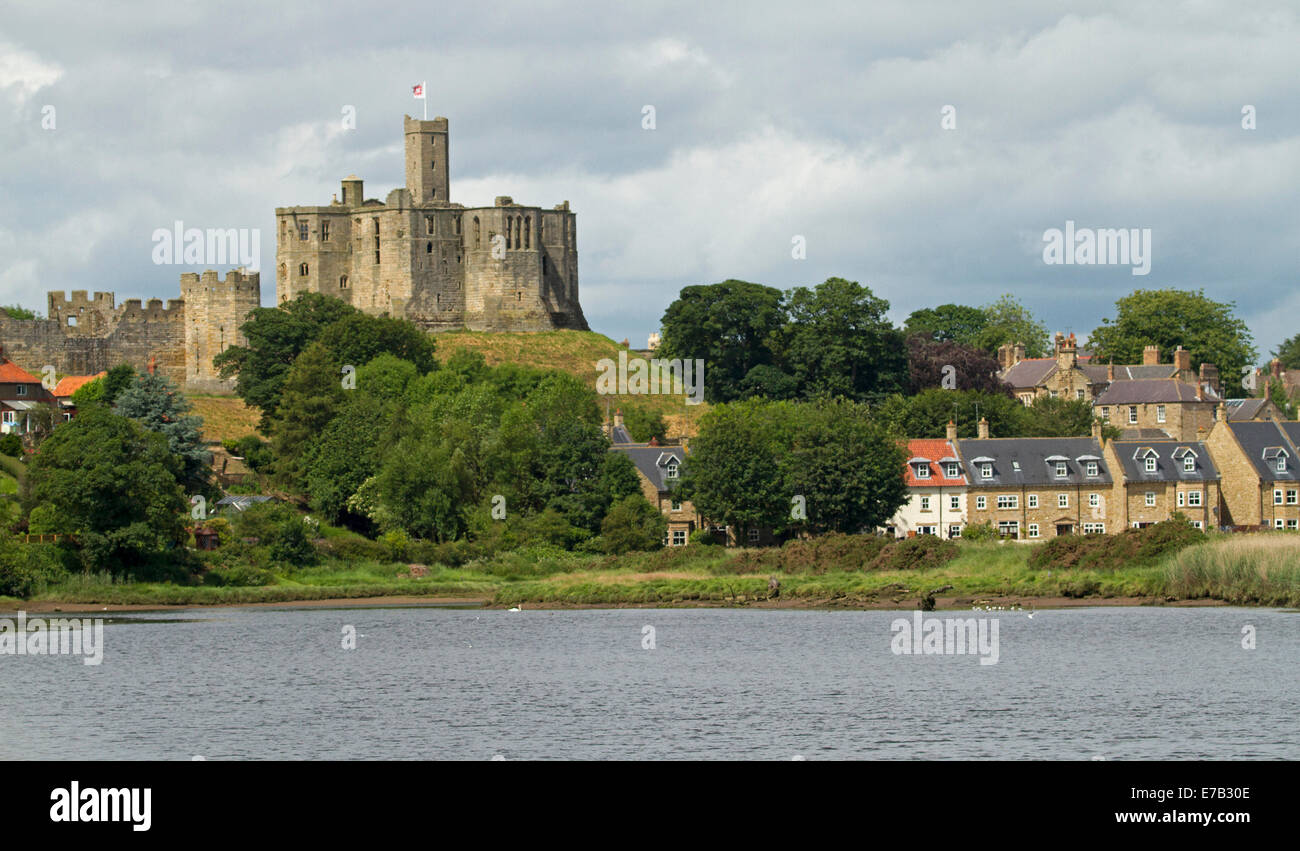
<point x="517" y="609"/>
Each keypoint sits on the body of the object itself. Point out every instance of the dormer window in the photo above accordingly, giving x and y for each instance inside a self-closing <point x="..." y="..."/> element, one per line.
<point x="953" y="471"/>
<point x="1189" y="463"/>
<point x="986" y="471"/>
<point x="1149" y="464"/>
<point x="1061" y="470"/>
<point x="670" y="471"/>
<point x="1092" y="468"/>
<point x="1280" y="465"/>
<point x="923" y="471"/>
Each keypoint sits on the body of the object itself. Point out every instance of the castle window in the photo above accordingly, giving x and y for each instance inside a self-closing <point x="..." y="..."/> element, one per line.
<point x="528" y="233"/>
<point x="324" y="231"/>
<point x="376" y="221"/>
<point x="302" y="231"/>
<point x="428" y="248"/>
<point x="519" y="296"/>
<point x="302" y="270"/>
<point x="510" y="226"/>
<point x="519" y="225"/>
<point x="456" y="219"/>
<point x="543" y="264"/>
<point x="343" y="282"/>
<point x="72" y="322"/>
<point x="428" y="224"/>
<point x="478" y="234"/>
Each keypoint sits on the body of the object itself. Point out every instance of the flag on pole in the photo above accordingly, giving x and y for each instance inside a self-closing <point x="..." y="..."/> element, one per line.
<point x="418" y="92"/>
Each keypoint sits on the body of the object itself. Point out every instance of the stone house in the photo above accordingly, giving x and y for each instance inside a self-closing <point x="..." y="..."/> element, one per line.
<point x="659" y="468"/>
<point x="1260" y="464"/>
<point x="936" y="491"/>
<point x="1156" y="478"/>
<point x="1169" y="405"/>
<point x="1032" y="488"/>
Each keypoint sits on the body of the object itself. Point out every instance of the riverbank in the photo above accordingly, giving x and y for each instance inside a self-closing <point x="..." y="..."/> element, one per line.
<point x="1261" y="570"/>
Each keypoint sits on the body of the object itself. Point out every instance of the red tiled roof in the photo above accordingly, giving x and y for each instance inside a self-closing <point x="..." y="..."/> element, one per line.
<point x="12" y="373"/>
<point x="932" y="450"/>
<point x="72" y="383"/>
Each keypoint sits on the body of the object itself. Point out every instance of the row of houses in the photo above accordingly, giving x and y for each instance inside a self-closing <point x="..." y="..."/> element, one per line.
<point x="21" y="393"/>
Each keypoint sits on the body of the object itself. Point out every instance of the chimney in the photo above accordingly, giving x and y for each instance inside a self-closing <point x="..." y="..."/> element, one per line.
<point x="1268" y="389"/>
<point x="984" y="428"/>
<point x="1096" y="430"/>
<point x="1019" y="353"/>
<point x="1275" y="368"/>
<point x="1004" y="355"/>
<point x="618" y="418"/>
<point x="1058" y="341"/>
<point x="1066" y="353"/>
<point x="1182" y="360"/>
<point x="1110" y="371"/>
<point x="1151" y="356"/>
<point x="1209" y="375"/>
<point x="952" y="431"/>
<point x="1221" y="413"/>
<point x="1200" y="392"/>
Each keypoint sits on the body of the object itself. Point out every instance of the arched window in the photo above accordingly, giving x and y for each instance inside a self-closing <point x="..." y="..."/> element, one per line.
<point x="478" y="234"/>
<point x="343" y="282"/>
<point x="519" y="225"/>
<point x="510" y="226"/>
<point x="302" y="270"/>
<point x="528" y="233"/>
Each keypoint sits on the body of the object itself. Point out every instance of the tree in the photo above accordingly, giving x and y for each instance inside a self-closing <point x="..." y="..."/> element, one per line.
<point x="1170" y="318"/>
<point x="730" y="326"/>
<point x="1052" y="416"/>
<point x="926" y="414"/>
<point x="632" y="524"/>
<point x="344" y="455"/>
<point x="1277" y="393"/>
<point x="643" y="423"/>
<point x="155" y="402"/>
<point x="276" y="336"/>
<point x="848" y="469"/>
<point x="312" y="394"/>
<point x="359" y="338"/>
<point x="1009" y="321"/>
<point x="948" y="323"/>
<point x="105" y="390"/>
<point x="839" y="342"/>
<point x="15" y="311"/>
<point x="114" y="485"/>
<point x="1289" y="352"/>
<point x="769" y="382"/>
<point x="951" y="366"/>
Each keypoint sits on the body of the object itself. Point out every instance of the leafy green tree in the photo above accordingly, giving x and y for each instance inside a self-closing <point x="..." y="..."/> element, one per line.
<point x="632" y="524"/>
<point x="1009" y="321"/>
<point x="155" y="402"/>
<point x="730" y="326"/>
<point x="359" y="338"/>
<point x="1277" y="393"/>
<point x="643" y="423"/>
<point x="115" y="486"/>
<point x="11" y="445"/>
<point x="18" y="312"/>
<point x="386" y="377"/>
<point x="344" y="455"/>
<point x="839" y="342"/>
<point x="769" y="382"/>
<point x="1052" y="416"/>
<point x="926" y="414"/>
<point x="848" y="469"/>
<point x="276" y="336"/>
<point x="1289" y="352"/>
<point x="1170" y="318"/>
<point x="105" y="389"/>
<point x="948" y="323"/>
<point x="312" y="393"/>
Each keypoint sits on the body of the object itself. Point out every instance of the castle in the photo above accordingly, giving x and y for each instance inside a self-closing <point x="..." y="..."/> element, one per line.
<point x="441" y="265"/>
<point x="415" y="255"/>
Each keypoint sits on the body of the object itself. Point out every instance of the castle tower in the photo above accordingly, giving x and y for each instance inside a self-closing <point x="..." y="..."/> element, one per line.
<point x="214" y="310"/>
<point x="426" y="160"/>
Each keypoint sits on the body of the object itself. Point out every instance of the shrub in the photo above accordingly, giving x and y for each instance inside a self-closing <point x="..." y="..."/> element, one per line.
<point x="1109" y="552"/>
<point x="238" y="575"/>
<point x="27" y="569"/>
<point x="979" y="532"/>
<point x="11" y="445"/>
<point x="919" y="553"/>
<point x="290" y="544"/>
<point x="704" y="538"/>
<point x="396" y="544"/>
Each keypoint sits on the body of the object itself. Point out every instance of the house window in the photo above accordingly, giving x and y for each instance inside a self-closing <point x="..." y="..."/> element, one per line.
<point x="981" y="502"/>
<point x="1009" y="528"/>
<point x="1160" y="413"/>
<point x="1061" y="470"/>
<point x="9" y="418"/>
<point x="1194" y="499"/>
<point x="954" y="531"/>
<point x="22" y="389"/>
<point x="925" y="503"/>
<point x="1033" y="530"/>
<point x="1007" y="501"/>
<point x="986" y="471"/>
<point x="670" y="471"/>
<point x="1149" y="464"/>
<point x="1279" y="523"/>
<point x="1277" y="497"/>
<point x="1182" y="499"/>
<point x="954" y="503"/>
<point x="753" y="536"/>
<point x="1094" y="528"/>
<point x="1291" y="497"/>
<point x="1150" y="499"/>
<point x="925" y="530"/>
<point x="952" y="471"/>
<point x="1092" y="468"/>
<point x="1189" y="463"/>
<point x="679" y="537"/>
<point x="1105" y="414"/>
<point x="1078" y="394"/>
<point x="677" y="505"/>
<point x="1062" y="500"/>
<point x="1197" y="524"/>
<point x="1094" y="500"/>
<point x="1281" y="464"/>
<point x="1132" y="414"/>
<point x="1032" y="500"/>
<point x="324" y="230"/>
<point x="1291" y="525"/>
<point x="923" y="471"/>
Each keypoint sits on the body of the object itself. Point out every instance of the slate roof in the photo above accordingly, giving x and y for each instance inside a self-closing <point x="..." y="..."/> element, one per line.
<point x="1142" y="371"/>
<point x="652" y="461"/>
<point x="1029" y="372"/>
<point x="1169" y="463"/>
<point x="1244" y="409"/>
<point x="1023" y="460"/>
<point x="1145" y="391"/>
<point x="619" y="434"/>
<point x="1258" y="437"/>
<point x="933" y="452"/>
<point x="1144" y="434"/>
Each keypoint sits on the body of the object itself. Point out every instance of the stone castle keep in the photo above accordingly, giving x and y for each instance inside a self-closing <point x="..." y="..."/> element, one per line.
<point x="416" y="255"/>
<point x="442" y="265"/>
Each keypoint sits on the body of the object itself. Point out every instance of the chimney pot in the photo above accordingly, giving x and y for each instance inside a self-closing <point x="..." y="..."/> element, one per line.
<point x="983" y="428"/>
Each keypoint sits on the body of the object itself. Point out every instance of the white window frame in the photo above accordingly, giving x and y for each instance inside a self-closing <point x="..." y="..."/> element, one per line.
<point x="1193" y="499"/>
<point x="1160" y="413"/>
<point x="1008" y="501"/>
<point x="1150" y="499"/>
<point x="986" y="471"/>
<point x="1094" y="500"/>
<point x="752" y="535"/>
<point x="1290" y="496"/>
<point x="1031" y="500"/>
<point x="1182" y="499"/>
<point x="1062" y="470"/>
<point x="981" y="502"/>
<point x="954" y="530"/>
<point x="1094" y="528"/>
<point x="1149" y="464"/>
<point x="679" y="537"/>
<point x="925" y="503"/>
<point x="1189" y="463"/>
<point x="954" y="503"/>
<point x="1012" y="526"/>
<point x="923" y="471"/>
<point x="1092" y="468"/>
<point x="1132" y="414"/>
<point x="1062" y="500"/>
<point x="1277" y="496"/>
<point x="952" y="471"/>
<point x="1032" y="530"/>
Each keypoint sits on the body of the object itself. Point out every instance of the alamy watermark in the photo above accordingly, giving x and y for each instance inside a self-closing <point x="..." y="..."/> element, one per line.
<point x="181" y="246"/>
<point x="1100" y="247"/>
<point x="23" y="636"/>
<point x="922" y="636"/>
<point x="655" y="376"/>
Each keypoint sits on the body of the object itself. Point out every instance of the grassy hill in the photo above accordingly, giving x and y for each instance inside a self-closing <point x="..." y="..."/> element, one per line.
<point x="225" y="417"/>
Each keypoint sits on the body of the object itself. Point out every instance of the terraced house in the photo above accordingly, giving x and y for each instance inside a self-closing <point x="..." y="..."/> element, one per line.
<point x="1033" y="488"/>
<point x="936" y="491"/>
<point x="1157" y="478"/>
<point x="1260" y="463"/>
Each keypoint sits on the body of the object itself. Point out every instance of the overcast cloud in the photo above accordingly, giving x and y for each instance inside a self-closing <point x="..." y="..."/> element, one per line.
<point x="773" y="120"/>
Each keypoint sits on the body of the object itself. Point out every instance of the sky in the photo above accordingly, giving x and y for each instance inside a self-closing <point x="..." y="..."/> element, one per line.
<point x="920" y="148"/>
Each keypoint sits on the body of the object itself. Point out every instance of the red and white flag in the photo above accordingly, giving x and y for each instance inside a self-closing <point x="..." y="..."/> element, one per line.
<point x="418" y="91"/>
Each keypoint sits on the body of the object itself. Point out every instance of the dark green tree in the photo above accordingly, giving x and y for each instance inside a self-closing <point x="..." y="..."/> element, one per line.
<point x="1009" y="321"/>
<point x="312" y="393"/>
<point x="840" y="343"/>
<point x="359" y="338"/>
<point x="1289" y="352"/>
<point x="948" y="323"/>
<point x="156" y="403"/>
<point x="633" y="524"/>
